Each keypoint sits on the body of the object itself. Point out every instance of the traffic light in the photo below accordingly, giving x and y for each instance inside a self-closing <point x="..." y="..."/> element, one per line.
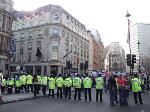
<point x="128" y="57"/>
<point x="133" y="60"/>
<point x="6" y="66"/>
<point x="81" y="66"/>
<point x="86" y="65"/>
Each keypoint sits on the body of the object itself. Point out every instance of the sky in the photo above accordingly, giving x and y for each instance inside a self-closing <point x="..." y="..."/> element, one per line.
<point x="107" y="16"/>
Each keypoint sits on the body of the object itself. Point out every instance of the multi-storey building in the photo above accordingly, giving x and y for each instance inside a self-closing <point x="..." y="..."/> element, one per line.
<point x="96" y="51"/>
<point x="6" y="19"/>
<point x="115" y="58"/>
<point x="48" y="37"/>
<point x="139" y="39"/>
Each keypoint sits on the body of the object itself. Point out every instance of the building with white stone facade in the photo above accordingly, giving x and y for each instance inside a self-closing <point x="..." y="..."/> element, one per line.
<point x="140" y="33"/>
<point x="6" y="19"/>
<point x="48" y="37"/>
<point x="115" y="58"/>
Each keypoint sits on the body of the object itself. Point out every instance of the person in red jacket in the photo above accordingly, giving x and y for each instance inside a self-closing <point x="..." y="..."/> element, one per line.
<point x="122" y="90"/>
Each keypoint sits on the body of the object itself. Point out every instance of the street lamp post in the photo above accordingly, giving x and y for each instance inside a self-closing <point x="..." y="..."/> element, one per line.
<point x="128" y="15"/>
<point x="139" y="56"/>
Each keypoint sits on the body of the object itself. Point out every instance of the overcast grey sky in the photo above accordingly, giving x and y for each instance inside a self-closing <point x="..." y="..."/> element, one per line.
<point x="107" y="16"/>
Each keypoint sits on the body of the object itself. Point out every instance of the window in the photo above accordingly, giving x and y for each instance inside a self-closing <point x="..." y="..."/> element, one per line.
<point x="23" y="25"/>
<point x="67" y="37"/>
<point x="75" y="59"/>
<point x="1" y="20"/>
<point x="30" y="46"/>
<point x="39" y="44"/>
<point x="55" y="33"/>
<point x="75" y="49"/>
<point x="81" y="43"/>
<point x="63" y="33"/>
<point x="54" y="55"/>
<point x="31" y="24"/>
<point x="30" y="34"/>
<point x="55" y="30"/>
<point x="85" y="54"/>
<point x="55" y="43"/>
<point x="4" y="22"/>
<point x="87" y="46"/>
<point x="67" y="47"/>
<point x="77" y="40"/>
<point x="22" y="35"/>
<point x="84" y="44"/>
<point x="16" y="36"/>
<point x="67" y="17"/>
<point x="40" y="22"/>
<point x="81" y="52"/>
<point x="72" y="38"/>
<point x="29" y="56"/>
<point x="71" y="49"/>
<point x="39" y="33"/>
<point x="72" y="20"/>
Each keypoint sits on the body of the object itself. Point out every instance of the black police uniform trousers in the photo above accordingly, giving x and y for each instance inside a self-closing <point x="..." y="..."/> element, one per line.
<point x="38" y="88"/>
<point x="9" y="89"/>
<point x="68" y="92"/>
<point x="29" y="86"/>
<point x="23" y="88"/>
<point x="137" y="94"/>
<point x="87" y="90"/>
<point x="35" y="87"/>
<point x="99" y="91"/>
<point x="59" y="92"/>
<point x="116" y="96"/>
<point x="17" y="89"/>
<point x="51" y="91"/>
<point x="3" y="88"/>
<point x="44" y="89"/>
<point x="77" y="91"/>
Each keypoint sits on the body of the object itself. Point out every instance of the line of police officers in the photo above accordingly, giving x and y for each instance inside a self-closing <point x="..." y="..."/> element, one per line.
<point x="32" y="84"/>
<point x="29" y="83"/>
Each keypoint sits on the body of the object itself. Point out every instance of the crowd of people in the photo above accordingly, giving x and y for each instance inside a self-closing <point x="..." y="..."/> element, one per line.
<point x="116" y="85"/>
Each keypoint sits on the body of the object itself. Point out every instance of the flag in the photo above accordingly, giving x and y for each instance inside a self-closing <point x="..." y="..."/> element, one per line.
<point x="38" y="53"/>
<point x="67" y="54"/>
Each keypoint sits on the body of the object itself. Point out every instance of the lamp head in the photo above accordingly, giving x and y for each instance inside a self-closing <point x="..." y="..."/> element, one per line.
<point x="128" y="15"/>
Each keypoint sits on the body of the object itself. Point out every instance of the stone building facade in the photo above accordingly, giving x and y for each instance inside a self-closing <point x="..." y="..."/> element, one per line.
<point x="115" y="58"/>
<point x="96" y="51"/>
<point x="6" y="19"/>
<point x="48" y="37"/>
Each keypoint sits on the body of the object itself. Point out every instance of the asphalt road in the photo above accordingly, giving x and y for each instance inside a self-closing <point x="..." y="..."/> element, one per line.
<point x="46" y="104"/>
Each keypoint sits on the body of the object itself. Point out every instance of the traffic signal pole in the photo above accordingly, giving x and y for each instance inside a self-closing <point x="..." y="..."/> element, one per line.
<point x="128" y="15"/>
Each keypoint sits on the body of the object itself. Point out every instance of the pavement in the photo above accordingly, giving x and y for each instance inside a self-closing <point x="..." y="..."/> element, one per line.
<point x="17" y="97"/>
<point x="10" y="98"/>
<point x="46" y="104"/>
